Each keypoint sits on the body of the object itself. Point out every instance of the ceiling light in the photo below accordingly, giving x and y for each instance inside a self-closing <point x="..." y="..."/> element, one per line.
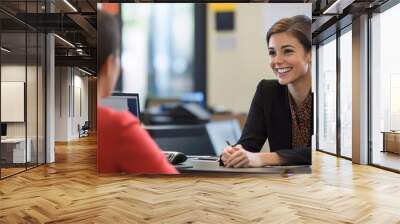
<point x="70" y="5"/>
<point x="5" y="50"/>
<point x="337" y="7"/>
<point x="65" y="41"/>
<point x="84" y="71"/>
<point x="332" y="9"/>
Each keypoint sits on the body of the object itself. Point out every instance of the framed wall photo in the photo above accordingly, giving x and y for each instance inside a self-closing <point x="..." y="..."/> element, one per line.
<point x="12" y="101"/>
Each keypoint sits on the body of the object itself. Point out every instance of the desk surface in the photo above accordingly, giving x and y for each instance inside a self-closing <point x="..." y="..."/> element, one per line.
<point x="206" y="166"/>
<point x="13" y="140"/>
<point x="390" y="132"/>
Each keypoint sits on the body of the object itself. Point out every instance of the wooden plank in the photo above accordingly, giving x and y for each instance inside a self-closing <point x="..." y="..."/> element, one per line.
<point x="70" y="191"/>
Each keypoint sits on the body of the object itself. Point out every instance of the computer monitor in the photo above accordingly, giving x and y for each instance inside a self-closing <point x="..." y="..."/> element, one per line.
<point x="202" y="140"/>
<point x="3" y="129"/>
<point x="188" y="139"/>
<point x="124" y="102"/>
<point x="222" y="131"/>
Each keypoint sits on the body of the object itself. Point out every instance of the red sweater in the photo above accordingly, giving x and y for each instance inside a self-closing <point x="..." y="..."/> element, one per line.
<point x="124" y="146"/>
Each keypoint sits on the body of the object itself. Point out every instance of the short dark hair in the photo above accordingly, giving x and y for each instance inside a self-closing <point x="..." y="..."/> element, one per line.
<point x="108" y="37"/>
<point x="298" y="26"/>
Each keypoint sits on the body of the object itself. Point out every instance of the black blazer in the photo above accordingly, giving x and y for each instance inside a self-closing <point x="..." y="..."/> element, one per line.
<point x="270" y="118"/>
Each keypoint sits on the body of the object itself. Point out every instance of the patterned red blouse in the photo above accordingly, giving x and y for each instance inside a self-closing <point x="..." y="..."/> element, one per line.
<point x="301" y="122"/>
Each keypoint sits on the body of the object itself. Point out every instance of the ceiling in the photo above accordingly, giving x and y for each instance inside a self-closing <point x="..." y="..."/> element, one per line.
<point x="76" y="25"/>
<point x="75" y="22"/>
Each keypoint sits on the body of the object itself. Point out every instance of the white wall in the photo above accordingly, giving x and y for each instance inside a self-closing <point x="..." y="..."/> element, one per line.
<point x="238" y="60"/>
<point x="16" y="73"/>
<point x="71" y="87"/>
<point x="81" y="100"/>
<point x="33" y="127"/>
<point x="61" y="103"/>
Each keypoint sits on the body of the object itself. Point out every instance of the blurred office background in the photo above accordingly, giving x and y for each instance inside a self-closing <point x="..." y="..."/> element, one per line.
<point x="173" y="50"/>
<point x="206" y="54"/>
<point x="353" y="66"/>
<point x="216" y="60"/>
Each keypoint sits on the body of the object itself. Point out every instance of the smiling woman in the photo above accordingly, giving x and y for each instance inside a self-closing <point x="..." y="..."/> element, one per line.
<point x="281" y="110"/>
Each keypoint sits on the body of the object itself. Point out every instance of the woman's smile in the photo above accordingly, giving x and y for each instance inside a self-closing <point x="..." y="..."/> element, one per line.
<point x="283" y="72"/>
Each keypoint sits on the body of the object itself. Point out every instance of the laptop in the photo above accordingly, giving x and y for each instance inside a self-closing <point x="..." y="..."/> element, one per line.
<point x="124" y="102"/>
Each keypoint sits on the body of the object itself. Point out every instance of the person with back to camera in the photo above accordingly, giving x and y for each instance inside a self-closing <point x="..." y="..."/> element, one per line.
<point x="123" y="145"/>
<point x="281" y="110"/>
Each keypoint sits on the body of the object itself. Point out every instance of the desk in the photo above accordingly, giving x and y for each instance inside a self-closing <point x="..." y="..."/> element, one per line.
<point x="13" y="150"/>
<point x="193" y="165"/>
<point x="391" y="141"/>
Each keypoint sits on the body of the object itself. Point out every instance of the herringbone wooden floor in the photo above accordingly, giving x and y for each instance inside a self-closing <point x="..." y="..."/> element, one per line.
<point x="70" y="191"/>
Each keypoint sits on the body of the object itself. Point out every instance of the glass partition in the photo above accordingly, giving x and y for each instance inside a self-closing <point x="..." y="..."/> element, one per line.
<point x="13" y="104"/>
<point x="22" y="90"/>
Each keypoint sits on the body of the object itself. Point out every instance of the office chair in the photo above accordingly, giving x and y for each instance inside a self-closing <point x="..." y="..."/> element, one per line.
<point x="84" y="130"/>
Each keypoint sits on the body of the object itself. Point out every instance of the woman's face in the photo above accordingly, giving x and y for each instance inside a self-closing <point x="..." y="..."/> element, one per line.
<point x="289" y="61"/>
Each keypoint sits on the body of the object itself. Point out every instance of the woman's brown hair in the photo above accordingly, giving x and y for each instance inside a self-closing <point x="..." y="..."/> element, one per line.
<point x="108" y="37"/>
<point x="298" y="26"/>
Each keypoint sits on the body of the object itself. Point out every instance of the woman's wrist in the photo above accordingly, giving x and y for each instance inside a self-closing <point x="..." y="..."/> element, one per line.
<point x="270" y="159"/>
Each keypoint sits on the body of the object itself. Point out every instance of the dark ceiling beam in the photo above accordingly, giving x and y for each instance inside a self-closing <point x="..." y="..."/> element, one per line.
<point x="49" y="22"/>
<point x="91" y="6"/>
<point x="11" y="25"/>
<point x="320" y="23"/>
<point x="16" y="18"/>
<point x="86" y="27"/>
<point x="86" y="51"/>
<point x="81" y="61"/>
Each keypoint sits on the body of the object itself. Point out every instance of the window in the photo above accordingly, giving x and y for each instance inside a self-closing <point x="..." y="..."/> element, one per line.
<point x="327" y="96"/>
<point x="385" y="87"/>
<point x="164" y="33"/>
<point x="346" y="93"/>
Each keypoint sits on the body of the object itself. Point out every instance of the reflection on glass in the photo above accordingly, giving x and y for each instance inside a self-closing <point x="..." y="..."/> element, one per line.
<point x="346" y="94"/>
<point x="385" y="86"/>
<point x="327" y="97"/>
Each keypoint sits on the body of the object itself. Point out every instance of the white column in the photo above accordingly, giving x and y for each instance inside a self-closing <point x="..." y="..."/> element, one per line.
<point x="360" y="90"/>
<point x="50" y="92"/>
<point x="50" y="99"/>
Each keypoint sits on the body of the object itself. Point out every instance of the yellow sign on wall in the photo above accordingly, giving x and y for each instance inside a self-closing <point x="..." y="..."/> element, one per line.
<point x="222" y="7"/>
